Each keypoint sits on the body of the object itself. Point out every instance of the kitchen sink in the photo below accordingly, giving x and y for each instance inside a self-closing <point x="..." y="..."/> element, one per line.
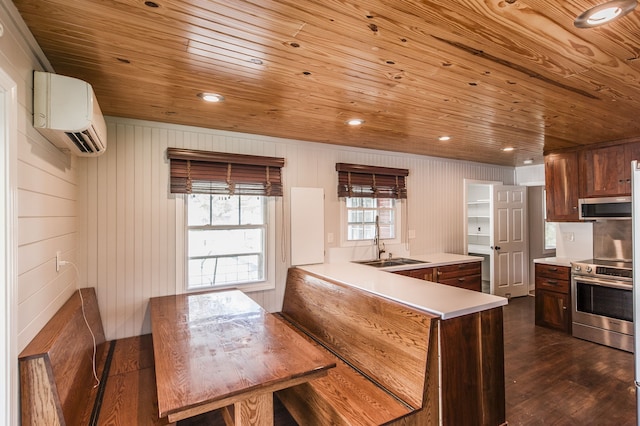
<point x="385" y="263"/>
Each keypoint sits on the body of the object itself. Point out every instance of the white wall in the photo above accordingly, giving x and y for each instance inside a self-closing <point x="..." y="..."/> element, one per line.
<point x="532" y="175"/>
<point x="128" y="247"/>
<point x="46" y="199"/>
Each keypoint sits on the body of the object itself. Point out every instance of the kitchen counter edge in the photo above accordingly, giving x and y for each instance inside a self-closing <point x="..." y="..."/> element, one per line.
<point x="439" y="299"/>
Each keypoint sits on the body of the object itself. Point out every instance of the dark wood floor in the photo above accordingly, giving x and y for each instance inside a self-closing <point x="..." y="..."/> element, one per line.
<point x="555" y="379"/>
<point x="551" y="378"/>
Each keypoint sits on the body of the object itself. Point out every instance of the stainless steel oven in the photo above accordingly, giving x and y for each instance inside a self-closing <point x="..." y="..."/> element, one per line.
<point x="602" y="302"/>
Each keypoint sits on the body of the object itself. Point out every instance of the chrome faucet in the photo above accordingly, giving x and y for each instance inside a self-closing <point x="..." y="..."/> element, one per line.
<point x="376" y="240"/>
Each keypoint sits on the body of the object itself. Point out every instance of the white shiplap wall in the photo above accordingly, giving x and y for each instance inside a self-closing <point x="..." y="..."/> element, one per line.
<point x="46" y="194"/>
<point x="128" y="247"/>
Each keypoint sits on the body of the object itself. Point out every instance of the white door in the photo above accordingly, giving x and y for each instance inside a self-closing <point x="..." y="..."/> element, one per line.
<point x="510" y="269"/>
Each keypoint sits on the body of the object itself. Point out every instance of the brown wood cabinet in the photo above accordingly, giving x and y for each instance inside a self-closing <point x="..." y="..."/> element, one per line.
<point x="561" y="183"/>
<point x="606" y="171"/>
<point x="427" y="274"/>
<point x="553" y="296"/>
<point x="466" y="275"/>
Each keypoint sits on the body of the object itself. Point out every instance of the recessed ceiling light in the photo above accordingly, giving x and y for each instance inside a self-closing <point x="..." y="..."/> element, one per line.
<point x="603" y="13"/>
<point x="444" y="138"/>
<point x="508" y="149"/>
<point x="355" y="122"/>
<point x="211" y="97"/>
<point x="528" y="161"/>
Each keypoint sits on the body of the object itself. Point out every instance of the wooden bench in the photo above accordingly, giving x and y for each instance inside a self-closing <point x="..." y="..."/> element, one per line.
<point x="386" y="356"/>
<point x="57" y="383"/>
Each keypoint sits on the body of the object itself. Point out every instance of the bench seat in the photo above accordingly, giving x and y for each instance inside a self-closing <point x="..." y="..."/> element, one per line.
<point x="57" y="384"/>
<point x="344" y="396"/>
<point x="386" y="356"/>
<point x="131" y="387"/>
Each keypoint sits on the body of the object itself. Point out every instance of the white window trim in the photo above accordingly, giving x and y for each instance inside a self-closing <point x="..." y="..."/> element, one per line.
<point x="344" y="242"/>
<point x="182" y="270"/>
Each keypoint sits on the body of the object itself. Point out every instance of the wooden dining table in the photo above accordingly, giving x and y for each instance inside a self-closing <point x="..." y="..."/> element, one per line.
<point x="222" y="350"/>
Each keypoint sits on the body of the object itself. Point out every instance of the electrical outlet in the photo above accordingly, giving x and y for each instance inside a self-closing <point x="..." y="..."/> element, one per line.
<point x="330" y="237"/>
<point x="58" y="255"/>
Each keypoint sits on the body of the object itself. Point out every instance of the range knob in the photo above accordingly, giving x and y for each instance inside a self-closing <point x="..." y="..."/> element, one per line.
<point x="588" y="269"/>
<point x="577" y="268"/>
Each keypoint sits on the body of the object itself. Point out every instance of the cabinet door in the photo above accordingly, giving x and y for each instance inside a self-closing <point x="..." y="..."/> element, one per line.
<point x="602" y="172"/>
<point x="553" y="310"/>
<point x="561" y="182"/>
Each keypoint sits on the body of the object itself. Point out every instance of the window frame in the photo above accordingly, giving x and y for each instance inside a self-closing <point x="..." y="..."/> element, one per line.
<point x="268" y="283"/>
<point x="345" y="242"/>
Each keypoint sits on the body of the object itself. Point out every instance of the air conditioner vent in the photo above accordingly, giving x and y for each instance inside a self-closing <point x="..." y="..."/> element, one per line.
<point x="84" y="142"/>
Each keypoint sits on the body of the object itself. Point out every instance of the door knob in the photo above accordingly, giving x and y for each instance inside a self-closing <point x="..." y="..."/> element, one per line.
<point x="495" y="248"/>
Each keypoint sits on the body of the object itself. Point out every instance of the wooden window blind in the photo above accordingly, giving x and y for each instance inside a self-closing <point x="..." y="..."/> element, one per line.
<point x="205" y="172"/>
<point x="356" y="180"/>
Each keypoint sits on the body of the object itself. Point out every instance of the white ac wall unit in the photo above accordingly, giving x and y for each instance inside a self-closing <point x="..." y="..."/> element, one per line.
<point x="66" y="112"/>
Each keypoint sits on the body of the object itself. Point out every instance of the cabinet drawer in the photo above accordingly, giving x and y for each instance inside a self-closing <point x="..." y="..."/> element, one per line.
<point x="469" y="282"/>
<point x="458" y="270"/>
<point x="552" y="271"/>
<point x="422" y="273"/>
<point x="553" y="284"/>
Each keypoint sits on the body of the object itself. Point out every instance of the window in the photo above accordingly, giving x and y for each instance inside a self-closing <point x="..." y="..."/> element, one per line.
<point x="229" y="199"/>
<point x="226" y="240"/>
<point x="549" y="227"/>
<point x="371" y="196"/>
<point x="361" y="216"/>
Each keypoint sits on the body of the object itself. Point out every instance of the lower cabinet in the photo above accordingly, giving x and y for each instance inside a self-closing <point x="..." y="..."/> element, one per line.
<point x="553" y="297"/>
<point x="464" y="275"/>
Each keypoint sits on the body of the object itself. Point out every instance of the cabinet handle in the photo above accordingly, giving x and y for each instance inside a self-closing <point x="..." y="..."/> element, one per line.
<point x="553" y="269"/>
<point x="564" y="308"/>
<point x="460" y="280"/>
<point x="552" y="282"/>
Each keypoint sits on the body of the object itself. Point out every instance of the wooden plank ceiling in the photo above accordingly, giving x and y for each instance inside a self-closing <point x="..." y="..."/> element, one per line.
<point x="489" y="73"/>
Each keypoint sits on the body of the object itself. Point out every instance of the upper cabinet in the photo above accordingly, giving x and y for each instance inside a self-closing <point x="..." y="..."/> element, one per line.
<point x="606" y="171"/>
<point x="561" y="182"/>
<point x="591" y="172"/>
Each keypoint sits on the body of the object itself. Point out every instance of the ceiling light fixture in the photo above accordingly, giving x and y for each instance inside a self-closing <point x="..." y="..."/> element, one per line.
<point x="604" y="13"/>
<point x="508" y="149"/>
<point x="444" y="138"/>
<point x="211" y="97"/>
<point x="528" y="161"/>
<point x="355" y="122"/>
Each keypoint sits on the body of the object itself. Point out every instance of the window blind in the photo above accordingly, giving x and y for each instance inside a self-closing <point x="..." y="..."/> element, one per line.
<point x="356" y="180"/>
<point x="205" y="172"/>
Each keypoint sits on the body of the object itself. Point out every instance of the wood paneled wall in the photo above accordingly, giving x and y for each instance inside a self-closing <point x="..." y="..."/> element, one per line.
<point x="128" y="245"/>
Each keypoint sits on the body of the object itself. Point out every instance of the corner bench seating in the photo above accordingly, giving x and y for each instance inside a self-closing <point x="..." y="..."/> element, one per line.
<point x="386" y="356"/>
<point x="57" y="386"/>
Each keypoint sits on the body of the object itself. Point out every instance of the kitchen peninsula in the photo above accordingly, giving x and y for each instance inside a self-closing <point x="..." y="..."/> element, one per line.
<point x="442" y="300"/>
<point x="469" y="342"/>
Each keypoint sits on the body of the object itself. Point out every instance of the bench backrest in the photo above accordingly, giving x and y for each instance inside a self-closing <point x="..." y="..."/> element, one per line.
<point x="56" y="371"/>
<point x="385" y="340"/>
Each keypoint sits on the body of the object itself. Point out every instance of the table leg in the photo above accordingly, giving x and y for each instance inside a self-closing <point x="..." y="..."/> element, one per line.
<point x="256" y="410"/>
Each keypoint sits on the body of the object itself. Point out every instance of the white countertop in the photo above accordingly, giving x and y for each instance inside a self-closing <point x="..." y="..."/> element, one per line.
<point x="439" y="299"/>
<point x="557" y="261"/>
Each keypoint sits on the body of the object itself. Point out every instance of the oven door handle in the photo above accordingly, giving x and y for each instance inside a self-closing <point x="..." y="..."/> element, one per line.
<point x="605" y="283"/>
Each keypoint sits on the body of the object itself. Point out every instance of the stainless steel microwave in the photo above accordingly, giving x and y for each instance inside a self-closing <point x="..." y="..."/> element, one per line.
<point x="606" y="208"/>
